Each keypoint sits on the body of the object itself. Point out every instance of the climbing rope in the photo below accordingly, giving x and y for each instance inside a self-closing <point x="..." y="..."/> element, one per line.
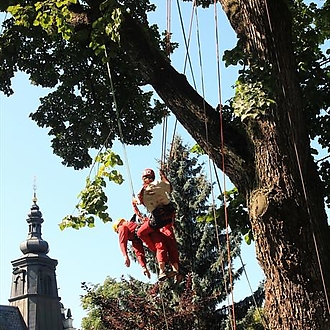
<point x="121" y="136"/>
<point x="164" y="136"/>
<point x="209" y="161"/>
<point x="207" y="141"/>
<point x="163" y="305"/>
<point x="262" y="317"/>
<point x="187" y="41"/>
<point x="187" y="60"/>
<point x="233" y="319"/>
<point x="168" y="53"/>
<point x="131" y="184"/>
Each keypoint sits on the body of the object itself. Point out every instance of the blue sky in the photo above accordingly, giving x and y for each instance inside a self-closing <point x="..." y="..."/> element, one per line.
<point x="90" y="255"/>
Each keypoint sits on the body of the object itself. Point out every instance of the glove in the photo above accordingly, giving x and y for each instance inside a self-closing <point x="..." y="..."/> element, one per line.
<point x="135" y="201"/>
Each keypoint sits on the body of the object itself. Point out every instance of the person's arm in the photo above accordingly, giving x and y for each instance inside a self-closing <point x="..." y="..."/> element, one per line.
<point x="139" y="199"/>
<point x="123" y="238"/>
<point x="165" y="179"/>
<point x="136" y="209"/>
<point x="140" y="255"/>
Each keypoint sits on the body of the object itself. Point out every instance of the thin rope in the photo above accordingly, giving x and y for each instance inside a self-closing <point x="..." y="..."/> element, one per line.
<point x="262" y="317"/>
<point x="108" y="136"/>
<point x="187" y="59"/>
<point x="164" y="135"/>
<point x="163" y="305"/>
<point x="119" y="125"/>
<point x="233" y="323"/>
<point x="163" y="142"/>
<point x="301" y="174"/>
<point x="187" y="41"/>
<point x="218" y="235"/>
<point x="244" y="269"/>
<point x="94" y="163"/>
<point x="201" y="71"/>
<point x="168" y="28"/>
<point x="168" y="53"/>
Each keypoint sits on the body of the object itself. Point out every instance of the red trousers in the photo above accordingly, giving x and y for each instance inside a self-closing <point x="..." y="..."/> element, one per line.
<point x="170" y="242"/>
<point x="154" y="241"/>
<point x="164" y="238"/>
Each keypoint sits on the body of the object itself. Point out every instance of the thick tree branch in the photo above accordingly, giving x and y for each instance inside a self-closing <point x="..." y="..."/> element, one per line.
<point x="200" y="119"/>
<point x="191" y="110"/>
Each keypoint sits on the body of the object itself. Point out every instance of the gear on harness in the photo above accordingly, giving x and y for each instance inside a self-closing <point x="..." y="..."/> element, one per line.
<point x="133" y="218"/>
<point x="162" y="216"/>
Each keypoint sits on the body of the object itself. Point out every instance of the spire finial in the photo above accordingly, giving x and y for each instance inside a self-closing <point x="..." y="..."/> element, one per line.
<point x="34" y="243"/>
<point x="35" y="190"/>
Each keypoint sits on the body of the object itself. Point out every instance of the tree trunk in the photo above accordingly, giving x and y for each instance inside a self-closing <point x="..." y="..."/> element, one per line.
<point x="271" y="163"/>
<point x="286" y="205"/>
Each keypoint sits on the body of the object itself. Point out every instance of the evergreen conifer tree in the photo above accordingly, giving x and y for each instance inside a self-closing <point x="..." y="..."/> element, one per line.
<point x="194" y="302"/>
<point x="202" y="243"/>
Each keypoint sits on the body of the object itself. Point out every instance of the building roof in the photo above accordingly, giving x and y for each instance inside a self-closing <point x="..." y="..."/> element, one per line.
<point x="11" y="318"/>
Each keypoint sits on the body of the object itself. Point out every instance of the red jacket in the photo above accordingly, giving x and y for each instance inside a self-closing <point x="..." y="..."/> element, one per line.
<point x="126" y="233"/>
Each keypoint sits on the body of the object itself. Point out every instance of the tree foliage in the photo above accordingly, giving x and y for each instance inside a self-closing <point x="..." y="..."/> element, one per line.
<point x="92" y="199"/>
<point x="132" y="304"/>
<point x="81" y="106"/>
<point x="64" y="45"/>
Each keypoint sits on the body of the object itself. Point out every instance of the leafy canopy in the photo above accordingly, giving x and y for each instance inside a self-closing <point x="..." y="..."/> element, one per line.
<point x="65" y="50"/>
<point x="65" y="45"/>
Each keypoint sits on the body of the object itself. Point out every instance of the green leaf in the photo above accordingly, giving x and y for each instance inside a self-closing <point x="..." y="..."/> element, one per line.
<point x="93" y="198"/>
<point x="248" y="237"/>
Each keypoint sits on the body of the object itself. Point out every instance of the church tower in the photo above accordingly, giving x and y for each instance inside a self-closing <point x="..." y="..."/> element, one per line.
<point x="34" y="287"/>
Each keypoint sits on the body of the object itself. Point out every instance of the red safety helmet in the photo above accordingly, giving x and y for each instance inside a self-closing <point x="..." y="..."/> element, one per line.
<point x="148" y="172"/>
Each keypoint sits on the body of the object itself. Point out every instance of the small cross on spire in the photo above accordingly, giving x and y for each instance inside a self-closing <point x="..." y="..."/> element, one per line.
<point x="35" y="190"/>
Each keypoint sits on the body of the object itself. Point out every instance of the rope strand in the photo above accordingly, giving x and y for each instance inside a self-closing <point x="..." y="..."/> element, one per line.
<point x="233" y="323"/>
<point x="119" y="125"/>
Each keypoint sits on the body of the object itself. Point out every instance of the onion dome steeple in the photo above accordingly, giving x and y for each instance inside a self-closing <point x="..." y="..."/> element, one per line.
<point x="34" y="243"/>
<point x="34" y="287"/>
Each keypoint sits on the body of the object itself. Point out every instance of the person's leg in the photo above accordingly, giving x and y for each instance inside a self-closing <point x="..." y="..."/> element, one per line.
<point x="161" y="252"/>
<point x="172" y="247"/>
<point x="162" y="274"/>
<point x="143" y="233"/>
